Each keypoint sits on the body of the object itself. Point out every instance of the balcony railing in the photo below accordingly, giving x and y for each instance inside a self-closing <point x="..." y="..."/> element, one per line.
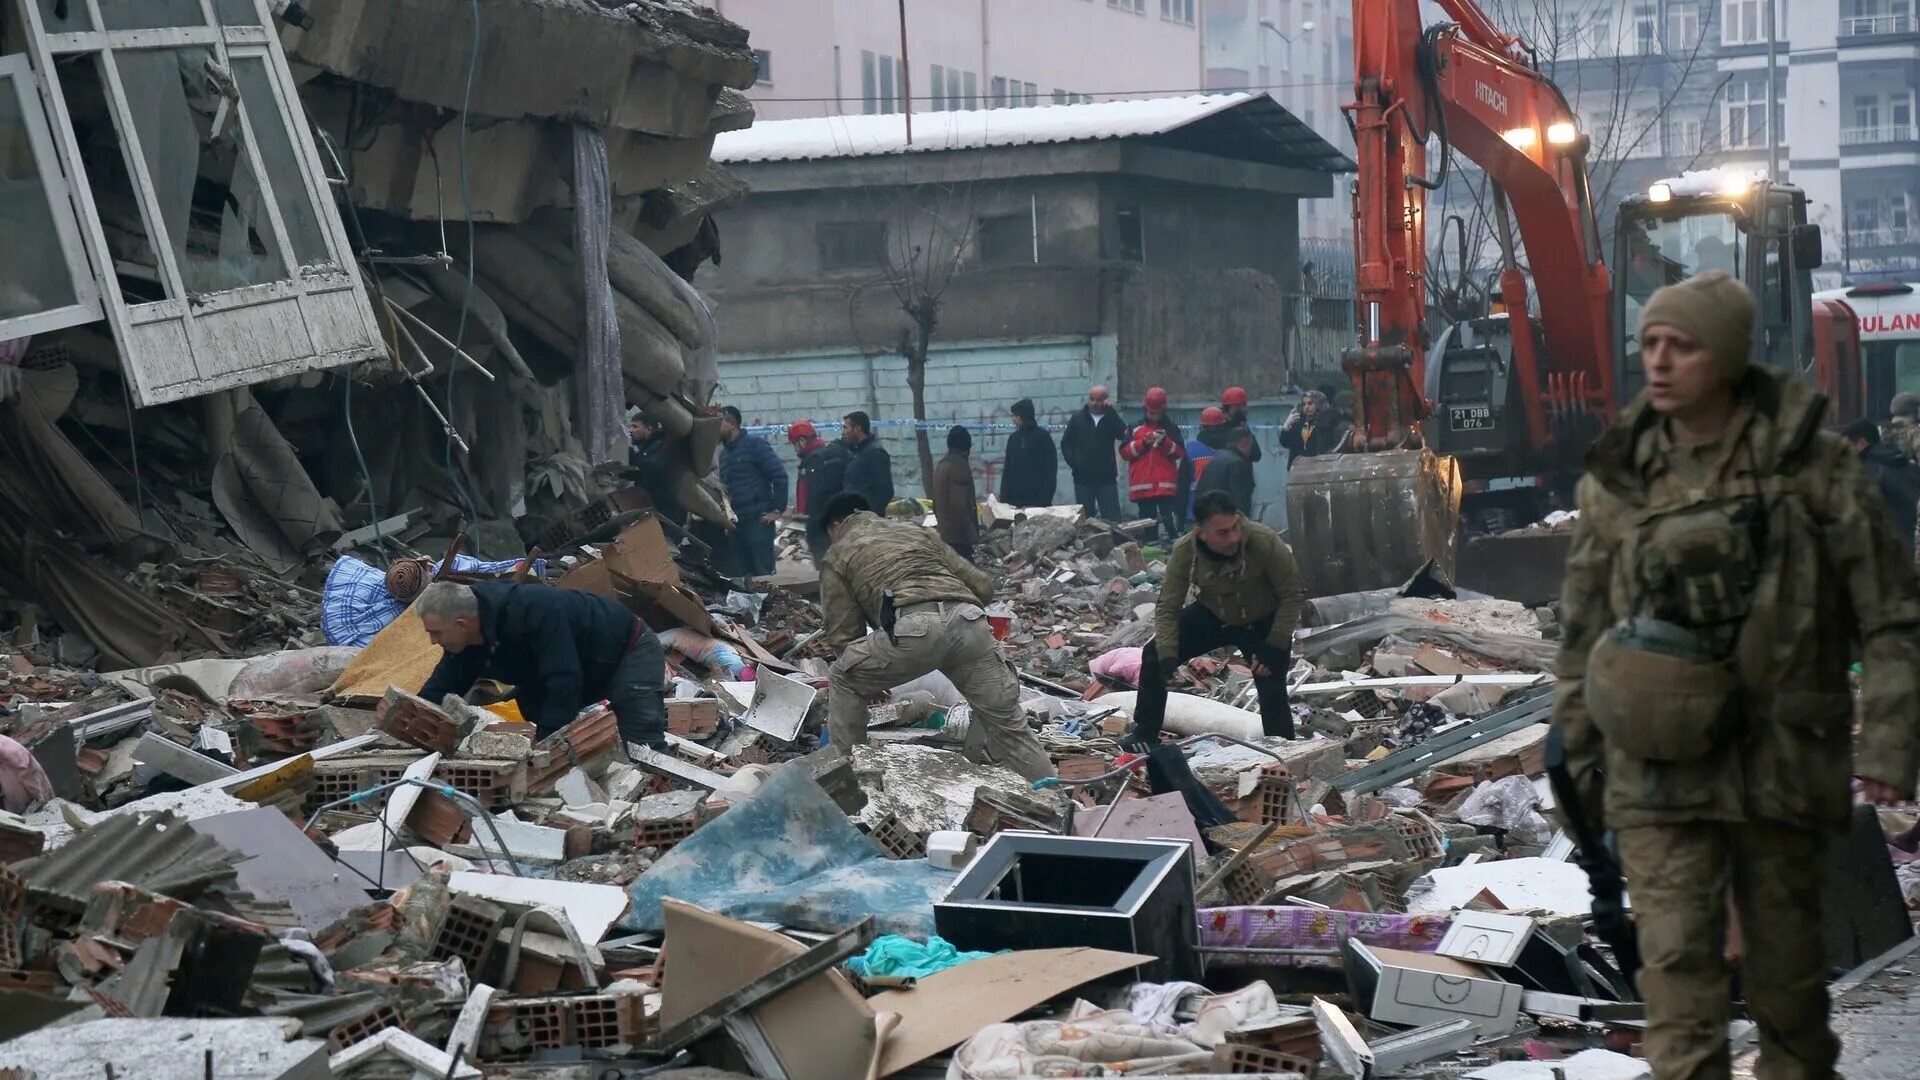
<point x="1882" y="236"/>
<point x="1874" y="25"/>
<point x="1883" y="133"/>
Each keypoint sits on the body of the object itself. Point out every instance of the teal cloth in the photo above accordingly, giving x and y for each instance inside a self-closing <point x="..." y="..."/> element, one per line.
<point x="894" y="956"/>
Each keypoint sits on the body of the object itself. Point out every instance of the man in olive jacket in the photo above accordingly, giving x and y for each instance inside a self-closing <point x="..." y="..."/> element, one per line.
<point x="1728" y="557"/>
<point x="938" y="624"/>
<point x="1249" y="598"/>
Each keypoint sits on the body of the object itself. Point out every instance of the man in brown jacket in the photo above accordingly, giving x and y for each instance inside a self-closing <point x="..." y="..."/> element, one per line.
<point x="954" y="505"/>
<point x="1728" y="557"/>
<point x="1249" y="598"/>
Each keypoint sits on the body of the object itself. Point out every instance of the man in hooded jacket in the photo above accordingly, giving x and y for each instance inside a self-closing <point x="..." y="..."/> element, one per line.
<point x="1031" y="469"/>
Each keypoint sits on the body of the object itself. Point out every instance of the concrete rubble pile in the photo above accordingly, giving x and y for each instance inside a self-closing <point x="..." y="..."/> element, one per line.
<point x="230" y="853"/>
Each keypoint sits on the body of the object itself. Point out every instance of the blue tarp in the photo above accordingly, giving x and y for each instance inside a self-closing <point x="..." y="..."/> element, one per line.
<point x="788" y="855"/>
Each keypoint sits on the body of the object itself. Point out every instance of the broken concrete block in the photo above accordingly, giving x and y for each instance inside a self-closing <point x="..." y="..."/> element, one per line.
<point x="590" y="909"/>
<point x="833" y="771"/>
<point x="465" y="1037"/>
<point x="417" y="722"/>
<point x="928" y="789"/>
<point x="576" y="788"/>
<point x="261" y="1048"/>
<point x="623" y="781"/>
<point x="498" y="745"/>
<point x="524" y="840"/>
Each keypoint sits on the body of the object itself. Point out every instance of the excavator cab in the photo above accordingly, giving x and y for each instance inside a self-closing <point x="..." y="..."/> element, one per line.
<point x="1752" y="228"/>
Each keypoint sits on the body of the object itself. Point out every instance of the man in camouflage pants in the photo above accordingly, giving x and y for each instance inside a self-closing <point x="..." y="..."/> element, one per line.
<point x="938" y="625"/>
<point x="1727" y="558"/>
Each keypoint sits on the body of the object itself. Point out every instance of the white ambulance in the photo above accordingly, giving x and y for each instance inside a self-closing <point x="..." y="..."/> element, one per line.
<point x="1889" y="314"/>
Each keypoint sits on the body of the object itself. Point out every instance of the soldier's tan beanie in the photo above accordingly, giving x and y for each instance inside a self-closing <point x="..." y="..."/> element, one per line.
<point x="1713" y="308"/>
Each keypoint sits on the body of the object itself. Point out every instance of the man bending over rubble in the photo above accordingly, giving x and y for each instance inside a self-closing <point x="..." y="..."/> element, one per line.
<point x="1249" y="598"/>
<point x="925" y="600"/>
<point x="560" y="649"/>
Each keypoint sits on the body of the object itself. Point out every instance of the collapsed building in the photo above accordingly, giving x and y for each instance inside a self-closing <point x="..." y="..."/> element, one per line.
<point x="276" y="279"/>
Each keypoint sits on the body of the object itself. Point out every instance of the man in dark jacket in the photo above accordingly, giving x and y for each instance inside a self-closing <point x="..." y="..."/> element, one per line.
<point x="756" y="485"/>
<point x="869" y="468"/>
<point x="1313" y="429"/>
<point x="560" y="649"/>
<point x="646" y="457"/>
<point x="1032" y="469"/>
<point x="1892" y="472"/>
<point x="805" y="441"/>
<point x="1234" y="402"/>
<point x="1089" y="444"/>
<point x="823" y="469"/>
<point x="1231" y="467"/>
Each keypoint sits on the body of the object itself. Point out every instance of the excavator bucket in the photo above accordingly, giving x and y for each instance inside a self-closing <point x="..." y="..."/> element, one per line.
<point x="1370" y="521"/>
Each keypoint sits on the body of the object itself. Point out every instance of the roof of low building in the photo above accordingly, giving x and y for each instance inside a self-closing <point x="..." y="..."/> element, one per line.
<point x="1244" y="127"/>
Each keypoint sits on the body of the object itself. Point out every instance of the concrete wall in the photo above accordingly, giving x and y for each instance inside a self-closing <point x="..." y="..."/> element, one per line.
<point x="1082" y="46"/>
<point x="970" y="383"/>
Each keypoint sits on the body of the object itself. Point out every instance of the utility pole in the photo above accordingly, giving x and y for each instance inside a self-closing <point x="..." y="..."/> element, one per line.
<point x="1773" y="102"/>
<point x="906" y="72"/>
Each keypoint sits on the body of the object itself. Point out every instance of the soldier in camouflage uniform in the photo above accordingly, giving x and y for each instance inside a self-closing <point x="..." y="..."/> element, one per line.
<point x="1728" y="556"/>
<point x="1903" y="430"/>
<point x="939" y="625"/>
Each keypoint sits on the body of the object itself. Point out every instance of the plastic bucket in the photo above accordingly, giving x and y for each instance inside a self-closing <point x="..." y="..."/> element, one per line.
<point x="1002" y="626"/>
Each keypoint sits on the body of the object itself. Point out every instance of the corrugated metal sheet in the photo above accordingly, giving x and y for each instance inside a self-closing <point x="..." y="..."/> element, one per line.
<point x="159" y="854"/>
<point x="1252" y="127"/>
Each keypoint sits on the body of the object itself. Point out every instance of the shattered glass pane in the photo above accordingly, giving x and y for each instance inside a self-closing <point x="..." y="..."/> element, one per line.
<point x="184" y="109"/>
<point x="278" y="157"/>
<point x="149" y="14"/>
<point x="65" y="16"/>
<point x="236" y="13"/>
<point x="109" y="173"/>
<point x="36" y="277"/>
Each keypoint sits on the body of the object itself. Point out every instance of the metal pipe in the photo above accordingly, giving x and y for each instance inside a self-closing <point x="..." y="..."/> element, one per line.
<point x="1373" y="322"/>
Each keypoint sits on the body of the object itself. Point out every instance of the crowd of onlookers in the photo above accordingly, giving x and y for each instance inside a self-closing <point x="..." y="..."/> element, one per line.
<point x="1164" y="472"/>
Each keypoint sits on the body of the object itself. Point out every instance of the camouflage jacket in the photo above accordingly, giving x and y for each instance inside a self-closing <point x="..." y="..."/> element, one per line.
<point x="1261" y="580"/>
<point x="1828" y="572"/>
<point x="1904" y="434"/>
<point x="873" y="555"/>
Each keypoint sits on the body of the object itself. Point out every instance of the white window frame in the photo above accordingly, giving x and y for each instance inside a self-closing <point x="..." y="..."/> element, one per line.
<point x="1731" y="31"/>
<point x="1752" y="96"/>
<point x="186" y="344"/>
<point x="1683" y="135"/>
<point x="1683" y="27"/>
<point x="86" y="308"/>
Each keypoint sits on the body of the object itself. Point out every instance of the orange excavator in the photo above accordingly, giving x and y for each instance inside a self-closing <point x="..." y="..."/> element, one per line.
<point x="1489" y="418"/>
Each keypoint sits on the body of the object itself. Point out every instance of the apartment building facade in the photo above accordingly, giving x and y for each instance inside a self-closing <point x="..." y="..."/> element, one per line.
<point x="1853" y="135"/>
<point x="1301" y="52"/>
<point x="845" y="57"/>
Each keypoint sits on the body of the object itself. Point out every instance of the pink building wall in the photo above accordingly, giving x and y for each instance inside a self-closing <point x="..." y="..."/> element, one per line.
<point x="1099" y="48"/>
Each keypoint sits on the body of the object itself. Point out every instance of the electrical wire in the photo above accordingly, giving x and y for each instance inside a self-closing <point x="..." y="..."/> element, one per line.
<point x="466" y="297"/>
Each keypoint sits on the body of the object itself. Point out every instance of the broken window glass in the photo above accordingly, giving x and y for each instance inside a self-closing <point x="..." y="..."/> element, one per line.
<point x="37" y="278"/>
<point x="110" y="177"/>
<point x="236" y="13"/>
<point x="284" y="174"/>
<point x="183" y="108"/>
<point x="65" y="16"/>
<point x="149" y="14"/>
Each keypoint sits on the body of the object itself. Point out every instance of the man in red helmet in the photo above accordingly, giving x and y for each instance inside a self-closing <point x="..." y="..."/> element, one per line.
<point x="822" y="475"/>
<point x="1198" y="455"/>
<point x="1153" y="455"/>
<point x="1234" y="403"/>
<point x="804" y="440"/>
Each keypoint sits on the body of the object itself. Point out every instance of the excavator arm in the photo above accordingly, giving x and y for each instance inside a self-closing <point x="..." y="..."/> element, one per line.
<point x="1472" y="89"/>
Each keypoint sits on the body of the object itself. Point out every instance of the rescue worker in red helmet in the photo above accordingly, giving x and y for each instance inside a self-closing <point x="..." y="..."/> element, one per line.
<point x="1153" y="455"/>
<point x="1234" y="403"/>
<point x="1198" y="454"/>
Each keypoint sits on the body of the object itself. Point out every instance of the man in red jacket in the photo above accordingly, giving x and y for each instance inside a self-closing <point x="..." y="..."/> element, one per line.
<point x="804" y="440"/>
<point x="1153" y="458"/>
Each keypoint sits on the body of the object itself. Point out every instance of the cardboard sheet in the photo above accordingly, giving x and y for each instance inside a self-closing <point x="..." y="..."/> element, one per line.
<point x="948" y="1007"/>
<point x="401" y="655"/>
<point x="820" y="1027"/>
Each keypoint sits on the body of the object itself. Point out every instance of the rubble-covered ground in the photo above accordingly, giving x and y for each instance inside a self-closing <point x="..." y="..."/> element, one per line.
<point x="228" y="855"/>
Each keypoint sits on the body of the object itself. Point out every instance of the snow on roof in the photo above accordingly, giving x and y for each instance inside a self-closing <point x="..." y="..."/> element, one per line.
<point x="871" y="136"/>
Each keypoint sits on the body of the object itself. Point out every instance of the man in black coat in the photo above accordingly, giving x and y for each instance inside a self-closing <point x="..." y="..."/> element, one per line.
<point x="560" y="649"/>
<point x="1092" y="439"/>
<point x="869" y="468"/>
<point x="1032" y="469"/>
<point x="1893" y="473"/>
